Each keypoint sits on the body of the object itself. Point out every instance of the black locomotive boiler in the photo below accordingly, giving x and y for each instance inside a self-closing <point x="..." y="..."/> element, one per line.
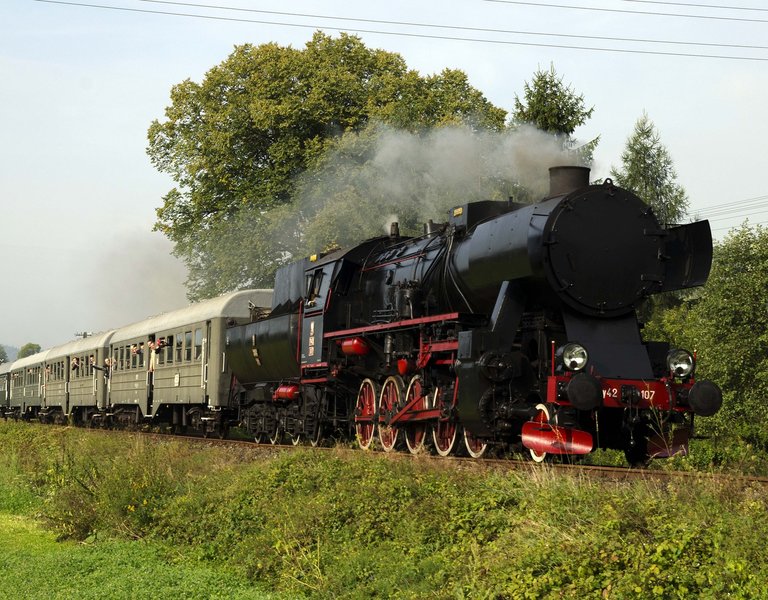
<point x="509" y="324"/>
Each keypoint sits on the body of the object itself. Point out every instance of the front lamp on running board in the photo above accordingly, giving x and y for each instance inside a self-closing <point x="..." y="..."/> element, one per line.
<point x="680" y="363"/>
<point x="573" y="356"/>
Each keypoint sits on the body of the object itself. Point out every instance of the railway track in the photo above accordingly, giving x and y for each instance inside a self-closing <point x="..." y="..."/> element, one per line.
<point x="248" y="449"/>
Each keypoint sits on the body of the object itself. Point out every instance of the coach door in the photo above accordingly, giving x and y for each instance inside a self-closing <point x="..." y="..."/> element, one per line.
<point x="202" y="349"/>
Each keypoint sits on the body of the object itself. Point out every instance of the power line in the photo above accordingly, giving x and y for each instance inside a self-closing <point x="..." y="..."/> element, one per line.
<point x="456" y="27"/>
<point x="629" y="12"/>
<point x="726" y="228"/>
<point x="736" y="202"/>
<point x="694" y="5"/>
<point x="739" y="205"/>
<point x="406" y="34"/>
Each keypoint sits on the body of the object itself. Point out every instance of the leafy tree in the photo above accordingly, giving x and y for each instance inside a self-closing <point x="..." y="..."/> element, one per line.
<point x="727" y="324"/>
<point x="28" y="350"/>
<point x="3" y="355"/>
<point x="554" y="107"/>
<point x="729" y="328"/>
<point x="648" y="171"/>
<point x="265" y="114"/>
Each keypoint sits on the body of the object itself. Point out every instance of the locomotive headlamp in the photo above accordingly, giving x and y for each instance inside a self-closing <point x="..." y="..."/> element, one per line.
<point x="574" y="356"/>
<point x="680" y="363"/>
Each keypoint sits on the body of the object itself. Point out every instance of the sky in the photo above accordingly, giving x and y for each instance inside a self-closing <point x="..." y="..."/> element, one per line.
<point x="80" y="85"/>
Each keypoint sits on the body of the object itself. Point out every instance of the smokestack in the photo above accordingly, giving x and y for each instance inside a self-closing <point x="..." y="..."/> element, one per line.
<point x="563" y="180"/>
<point x="394" y="230"/>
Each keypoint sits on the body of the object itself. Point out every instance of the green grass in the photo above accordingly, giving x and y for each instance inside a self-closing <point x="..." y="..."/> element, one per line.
<point x="341" y="525"/>
<point x="33" y="565"/>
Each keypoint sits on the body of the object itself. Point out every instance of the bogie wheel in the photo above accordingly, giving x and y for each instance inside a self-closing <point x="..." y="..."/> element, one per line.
<point x="474" y="446"/>
<point x="542" y="416"/>
<point x="445" y="430"/>
<point x="389" y="403"/>
<point x="366" y="413"/>
<point x="416" y="433"/>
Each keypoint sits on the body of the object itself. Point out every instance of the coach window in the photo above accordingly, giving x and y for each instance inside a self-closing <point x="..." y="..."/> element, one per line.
<point x="160" y="351"/>
<point x="169" y="349"/>
<point x="198" y="343"/>
<point x="179" y="344"/>
<point x="187" y="346"/>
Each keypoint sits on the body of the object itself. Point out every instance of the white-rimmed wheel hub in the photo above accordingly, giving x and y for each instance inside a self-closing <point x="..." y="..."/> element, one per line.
<point x="541" y="417"/>
<point x="475" y="446"/>
<point x="416" y="433"/>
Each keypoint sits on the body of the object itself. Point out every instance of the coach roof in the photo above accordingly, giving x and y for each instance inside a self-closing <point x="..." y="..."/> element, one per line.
<point x="234" y="305"/>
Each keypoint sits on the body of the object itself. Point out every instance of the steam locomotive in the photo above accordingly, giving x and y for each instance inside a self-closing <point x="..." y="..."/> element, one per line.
<point x="508" y="325"/>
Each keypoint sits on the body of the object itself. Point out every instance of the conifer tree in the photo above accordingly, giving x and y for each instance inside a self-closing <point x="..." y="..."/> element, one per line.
<point x="648" y="171"/>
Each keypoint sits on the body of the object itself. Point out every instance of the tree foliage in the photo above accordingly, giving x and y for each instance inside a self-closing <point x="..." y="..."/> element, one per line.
<point x="28" y="350"/>
<point x="3" y="355"/>
<point x="647" y="169"/>
<point x="266" y="113"/>
<point x="727" y="324"/>
<point x="554" y="107"/>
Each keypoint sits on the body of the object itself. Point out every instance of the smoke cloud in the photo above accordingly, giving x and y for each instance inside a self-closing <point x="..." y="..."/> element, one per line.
<point x="418" y="176"/>
<point x="135" y="277"/>
<point x="378" y="175"/>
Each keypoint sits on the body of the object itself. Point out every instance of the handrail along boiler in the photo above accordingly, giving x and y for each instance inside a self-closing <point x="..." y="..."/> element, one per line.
<point x="510" y="323"/>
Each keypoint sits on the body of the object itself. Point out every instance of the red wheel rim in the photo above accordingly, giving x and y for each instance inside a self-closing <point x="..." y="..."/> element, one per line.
<point x="444" y="435"/>
<point x="475" y="446"/>
<point x="444" y="430"/>
<point x="416" y="433"/>
<point x="365" y="410"/>
<point x="541" y="417"/>
<point x="389" y="400"/>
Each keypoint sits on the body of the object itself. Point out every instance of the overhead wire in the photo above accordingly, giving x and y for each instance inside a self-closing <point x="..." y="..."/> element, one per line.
<point x="630" y="12"/>
<point x="416" y="35"/>
<point x="697" y="5"/>
<point x="456" y="27"/>
<point x="738" y="209"/>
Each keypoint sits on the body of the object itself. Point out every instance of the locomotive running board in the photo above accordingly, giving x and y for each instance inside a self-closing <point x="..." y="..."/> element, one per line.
<point x="553" y="439"/>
